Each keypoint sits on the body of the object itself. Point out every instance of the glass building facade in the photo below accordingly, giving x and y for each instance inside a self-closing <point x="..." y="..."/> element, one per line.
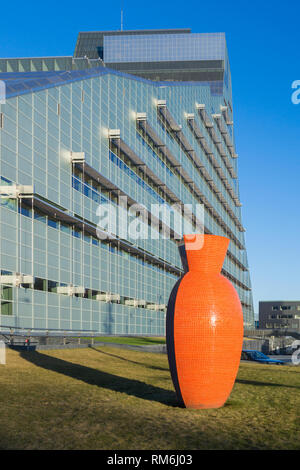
<point x="73" y="138"/>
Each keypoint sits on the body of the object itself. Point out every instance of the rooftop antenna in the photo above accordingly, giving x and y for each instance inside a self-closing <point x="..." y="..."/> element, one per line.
<point x="122" y="15"/>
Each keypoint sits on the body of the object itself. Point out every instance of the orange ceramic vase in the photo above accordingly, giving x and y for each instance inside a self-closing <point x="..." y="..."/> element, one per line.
<point x="204" y="326"/>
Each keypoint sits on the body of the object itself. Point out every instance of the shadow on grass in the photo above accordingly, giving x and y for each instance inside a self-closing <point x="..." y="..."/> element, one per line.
<point x="129" y="360"/>
<point x="102" y="379"/>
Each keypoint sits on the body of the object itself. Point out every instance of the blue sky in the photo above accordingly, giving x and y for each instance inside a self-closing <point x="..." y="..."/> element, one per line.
<point x="264" y="48"/>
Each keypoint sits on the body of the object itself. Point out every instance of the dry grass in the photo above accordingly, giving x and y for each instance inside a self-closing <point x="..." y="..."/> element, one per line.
<point x="109" y="398"/>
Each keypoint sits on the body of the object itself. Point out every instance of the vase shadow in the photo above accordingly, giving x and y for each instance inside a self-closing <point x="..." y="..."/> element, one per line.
<point x="102" y="379"/>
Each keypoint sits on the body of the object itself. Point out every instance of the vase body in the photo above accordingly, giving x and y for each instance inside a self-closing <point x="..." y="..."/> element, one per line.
<point x="204" y="327"/>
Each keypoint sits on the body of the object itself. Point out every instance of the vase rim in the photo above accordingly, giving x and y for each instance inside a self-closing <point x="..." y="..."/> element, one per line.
<point x="204" y="235"/>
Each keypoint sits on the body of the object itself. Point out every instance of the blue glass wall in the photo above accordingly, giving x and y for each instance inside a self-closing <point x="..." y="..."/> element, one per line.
<point x="45" y="118"/>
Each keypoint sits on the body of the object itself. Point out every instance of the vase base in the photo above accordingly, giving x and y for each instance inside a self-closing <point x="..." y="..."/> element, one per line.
<point x="202" y="406"/>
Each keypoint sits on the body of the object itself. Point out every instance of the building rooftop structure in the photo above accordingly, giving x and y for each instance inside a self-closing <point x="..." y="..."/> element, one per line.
<point x="160" y="54"/>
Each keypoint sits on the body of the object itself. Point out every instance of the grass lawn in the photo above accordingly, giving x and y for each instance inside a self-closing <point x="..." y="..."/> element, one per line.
<point x="108" y="398"/>
<point x="132" y="340"/>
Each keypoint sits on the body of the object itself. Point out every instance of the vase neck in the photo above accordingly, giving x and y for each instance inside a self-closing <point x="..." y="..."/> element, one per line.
<point x="204" y="253"/>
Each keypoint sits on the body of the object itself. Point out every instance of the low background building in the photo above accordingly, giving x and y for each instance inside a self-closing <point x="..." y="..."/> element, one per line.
<point x="279" y="314"/>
